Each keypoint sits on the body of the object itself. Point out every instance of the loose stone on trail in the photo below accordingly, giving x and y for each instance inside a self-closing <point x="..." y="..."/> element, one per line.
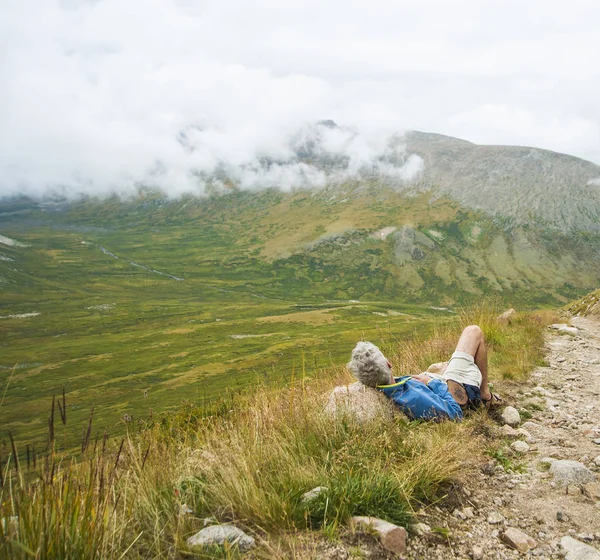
<point x="575" y="550"/>
<point x="518" y="540"/>
<point x="592" y="491"/>
<point x="420" y="529"/>
<point x="564" y="328"/>
<point x="521" y="432"/>
<point x="392" y="537"/>
<point x="519" y="446"/>
<point x="511" y="416"/>
<point x="509" y="431"/>
<point x="571" y="472"/>
<point x="494" y="518"/>
<point x="477" y="553"/>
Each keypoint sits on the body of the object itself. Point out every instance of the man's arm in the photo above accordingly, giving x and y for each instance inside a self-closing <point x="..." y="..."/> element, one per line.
<point x="446" y="400"/>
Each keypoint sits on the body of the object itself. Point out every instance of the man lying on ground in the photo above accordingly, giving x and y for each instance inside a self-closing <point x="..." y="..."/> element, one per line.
<point x="460" y="384"/>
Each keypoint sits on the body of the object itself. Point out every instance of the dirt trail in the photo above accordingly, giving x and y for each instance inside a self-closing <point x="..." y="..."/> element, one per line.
<point x="563" y="399"/>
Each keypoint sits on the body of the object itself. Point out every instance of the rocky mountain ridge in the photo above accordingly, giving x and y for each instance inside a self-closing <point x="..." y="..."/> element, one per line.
<point x="519" y="185"/>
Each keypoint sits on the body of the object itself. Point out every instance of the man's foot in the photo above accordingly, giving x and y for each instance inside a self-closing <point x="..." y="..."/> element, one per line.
<point x="493" y="401"/>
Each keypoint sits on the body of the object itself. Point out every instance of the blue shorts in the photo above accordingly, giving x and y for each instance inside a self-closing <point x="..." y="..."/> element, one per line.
<point x="474" y="396"/>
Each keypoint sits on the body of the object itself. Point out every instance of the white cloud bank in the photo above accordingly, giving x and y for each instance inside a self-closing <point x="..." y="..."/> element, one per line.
<point x="101" y="96"/>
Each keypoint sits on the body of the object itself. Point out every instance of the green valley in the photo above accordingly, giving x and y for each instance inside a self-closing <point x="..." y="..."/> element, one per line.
<point x="134" y="305"/>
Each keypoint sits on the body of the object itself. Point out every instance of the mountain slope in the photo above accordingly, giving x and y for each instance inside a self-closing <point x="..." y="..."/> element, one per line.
<point x="519" y="185"/>
<point x="350" y="241"/>
<point x="519" y="223"/>
<point x="143" y="300"/>
<point x="586" y="306"/>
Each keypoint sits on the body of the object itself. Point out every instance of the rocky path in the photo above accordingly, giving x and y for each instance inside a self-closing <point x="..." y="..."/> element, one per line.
<point x="545" y="499"/>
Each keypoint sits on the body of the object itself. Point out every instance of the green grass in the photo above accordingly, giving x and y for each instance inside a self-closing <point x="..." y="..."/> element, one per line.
<point x="128" y="341"/>
<point x="269" y="297"/>
<point x="247" y="459"/>
<point x="249" y="467"/>
<point x="507" y="463"/>
<point x="588" y="305"/>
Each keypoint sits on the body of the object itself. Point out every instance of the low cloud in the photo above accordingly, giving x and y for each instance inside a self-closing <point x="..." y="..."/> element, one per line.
<point x="318" y="154"/>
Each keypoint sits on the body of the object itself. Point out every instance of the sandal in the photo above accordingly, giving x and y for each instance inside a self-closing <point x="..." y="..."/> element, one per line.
<point x="494" y="401"/>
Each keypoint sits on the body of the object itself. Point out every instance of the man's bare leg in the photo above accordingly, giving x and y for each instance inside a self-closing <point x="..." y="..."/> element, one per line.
<point x="472" y="341"/>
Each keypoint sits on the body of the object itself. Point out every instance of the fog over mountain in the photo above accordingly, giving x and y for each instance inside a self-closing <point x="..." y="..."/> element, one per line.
<point x="103" y="96"/>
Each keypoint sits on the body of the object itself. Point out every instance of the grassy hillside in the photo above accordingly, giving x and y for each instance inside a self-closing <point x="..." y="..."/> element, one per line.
<point x="587" y="305"/>
<point x="138" y="307"/>
<point x="249" y="459"/>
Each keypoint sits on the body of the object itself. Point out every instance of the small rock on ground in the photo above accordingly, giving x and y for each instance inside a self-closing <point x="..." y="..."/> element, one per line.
<point x="592" y="491"/>
<point x="392" y="537"/>
<point x="477" y="553"/>
<point x="564" y="328"/>
<point x="420" y="529"/>
<point x="495" y="517"/>
<point x="518" y="540"/>
<point x="575" y="550"/>
<point x="521" y="432"/>
<point x="519" y="446"/>
<point x="509" y="431"/>
<point x="511" y="416"/>
<point x="312" y="494"/>
<point x="507" y="316"/>
<point x="458" y="513"/>
<point x="571" y="472"/>
<point x="218" y="535"/>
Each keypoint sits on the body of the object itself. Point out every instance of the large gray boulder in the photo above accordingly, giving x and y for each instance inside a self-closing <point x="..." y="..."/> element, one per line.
<point x="361" y="402"/>
<point x="218" y="535"/>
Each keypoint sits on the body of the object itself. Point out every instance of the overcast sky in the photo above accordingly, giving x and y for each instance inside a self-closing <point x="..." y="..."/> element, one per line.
<point x="95" y="95"/>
